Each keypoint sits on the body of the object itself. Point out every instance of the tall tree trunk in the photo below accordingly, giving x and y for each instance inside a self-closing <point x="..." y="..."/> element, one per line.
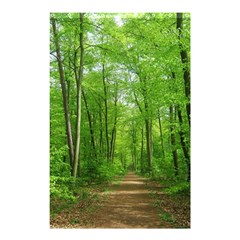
<point x="90" y="125"/>
<point x="106" y="112"/>
<point x="183" y="143"/>
<point x="142" y="148"/>
<point x="149" y="142"/>
<point x="101" y="150"/>
<point x="133" y="162"/>
<point x="134" y="142"/>
<point x="68" y="90"/>
<point x="173" y="141"/>
<point x="112" y="142"/>
<point x="79" y="90"/>
<point x="148" y="122"/>
<point x="114" y="129"/>
<point x="186" y="72"/>
<point x="161" y="134"/>
<point x="64" y="95"/>
<point x="135" y="152"/>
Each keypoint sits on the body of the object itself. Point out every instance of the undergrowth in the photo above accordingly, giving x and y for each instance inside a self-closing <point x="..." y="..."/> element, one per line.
<point x="172" y="200"/>
<point x="68" y="191"/>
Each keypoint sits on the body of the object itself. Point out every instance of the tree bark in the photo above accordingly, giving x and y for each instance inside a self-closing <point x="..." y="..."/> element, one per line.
<point x="185" y="62"/>
<point x="161" y="134"/>
<point x="173" y="141"/>
<point x="79" y="90"/>
<point x="148" y="122"/>
<point x="106" y="112"/>
<point x="90" y="125"/>
<point x="183" y="143"/>
<point x="64" y="95"/>
<point x="114" y="129"/>
<point x="142" y="148"/>
<point x="101" y="147"/>
<point x="113" y="141"/>
<point x="149" y="142"/>
<point x="133" y="148"/>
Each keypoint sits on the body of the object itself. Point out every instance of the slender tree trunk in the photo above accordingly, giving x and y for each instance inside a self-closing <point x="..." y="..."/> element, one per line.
<point x="135" y="154"/>
<point x="114" y="130"/>
<point x="134" y="142"/>
<point x="133" y="162"/>
<point x="64" y="95"/>
<point x="142" y="147"/>
<point x="183" y="143"/>
<point x="161" y="134"/>
<point x="106" y="112"/>
<point x="148" y="122"/>
<point x="185" y="62"/>
<point x="68" y="90"/>
<point x="112" y="143"/>
<point x="79" y="90"/>
<point x="173" y="141"/>
<point x="90" y="125"/>
<point x="101" y="150"/>
<point x="149" y="142"/>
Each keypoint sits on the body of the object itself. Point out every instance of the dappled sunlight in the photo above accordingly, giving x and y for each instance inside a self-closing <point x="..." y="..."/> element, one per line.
<point x="132" y="182"/>
<point x="129" y="206"/>
<point x="130" y="192"/>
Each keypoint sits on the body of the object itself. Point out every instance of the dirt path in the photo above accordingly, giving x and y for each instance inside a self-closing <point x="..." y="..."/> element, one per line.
<point x="129" y="206"/>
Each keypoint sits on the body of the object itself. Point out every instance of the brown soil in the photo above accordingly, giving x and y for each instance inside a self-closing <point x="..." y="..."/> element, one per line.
<point x="129" y="206"/>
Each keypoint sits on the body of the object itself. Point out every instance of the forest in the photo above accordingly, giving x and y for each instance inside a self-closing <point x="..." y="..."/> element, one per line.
<point x="119" y="105"/>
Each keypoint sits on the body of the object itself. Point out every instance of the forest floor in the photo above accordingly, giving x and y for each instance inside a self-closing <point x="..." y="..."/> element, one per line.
<point x="134" y="203"/>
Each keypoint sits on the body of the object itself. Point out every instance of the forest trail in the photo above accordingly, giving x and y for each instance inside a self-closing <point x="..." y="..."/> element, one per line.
<point x="129" y="206"/>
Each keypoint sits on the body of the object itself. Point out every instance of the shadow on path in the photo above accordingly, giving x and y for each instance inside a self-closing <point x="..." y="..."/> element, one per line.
<point x="129" y="206"/>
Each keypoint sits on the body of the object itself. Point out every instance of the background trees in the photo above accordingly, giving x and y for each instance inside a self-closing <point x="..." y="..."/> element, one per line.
<point x="120" y="95"/>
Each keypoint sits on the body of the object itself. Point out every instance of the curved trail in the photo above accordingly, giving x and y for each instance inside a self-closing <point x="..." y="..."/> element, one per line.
<point x="129" y="206"/>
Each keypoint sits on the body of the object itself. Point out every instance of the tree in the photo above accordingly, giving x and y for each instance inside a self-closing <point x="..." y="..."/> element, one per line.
<point x="125" y="88"/>
<point x="64" y="93"/>
<point x="90" y="125"/>
<point x="184" y="58"/>
<point x="79" y="91"/>
<point x="173" y="140"/>
<point x="161" y="133"/>
<point x="106" y="111"/>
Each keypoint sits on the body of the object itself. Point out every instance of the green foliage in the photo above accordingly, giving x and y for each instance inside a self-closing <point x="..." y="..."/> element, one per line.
<point x="139" y="53"/>
<point x="180" y="188"/>
<point x="163" y="168"/>
<point x="106" y="172"/>
<point x="60" y="187"/>
<point x="101" y="172"/>
<point x="58" y="164"/>
<point x="167" y="217"/>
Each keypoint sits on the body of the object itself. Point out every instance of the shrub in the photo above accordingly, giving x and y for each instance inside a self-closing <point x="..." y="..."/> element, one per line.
<point x="180" y="188"/>
<point x="60" y="187"/>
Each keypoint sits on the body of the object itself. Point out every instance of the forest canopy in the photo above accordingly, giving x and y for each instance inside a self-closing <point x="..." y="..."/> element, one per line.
<point x="119" y="96"/>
